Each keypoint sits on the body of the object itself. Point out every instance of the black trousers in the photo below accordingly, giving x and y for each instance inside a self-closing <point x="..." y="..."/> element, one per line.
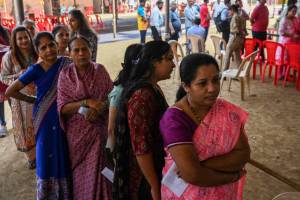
<point x="262" y="36"/>
<point x="225" y="35"/>
<point x="155" y="33"/>
<point x="174" y="36"/>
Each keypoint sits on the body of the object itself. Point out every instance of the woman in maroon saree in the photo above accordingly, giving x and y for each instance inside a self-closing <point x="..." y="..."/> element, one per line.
<point x="85" y="84"/>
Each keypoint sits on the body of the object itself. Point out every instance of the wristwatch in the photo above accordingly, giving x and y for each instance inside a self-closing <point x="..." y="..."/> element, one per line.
<point x="84" y="103"/>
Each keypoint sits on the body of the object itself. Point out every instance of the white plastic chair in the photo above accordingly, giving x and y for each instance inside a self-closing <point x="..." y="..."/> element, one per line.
<point x="178" y="56"/>
<point x="197" y="43"/>
<point x="242" y="74"/>
<point x="217" y="43"/>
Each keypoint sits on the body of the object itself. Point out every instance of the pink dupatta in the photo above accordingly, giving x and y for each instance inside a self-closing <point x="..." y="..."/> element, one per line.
<point x="215" y="136"/>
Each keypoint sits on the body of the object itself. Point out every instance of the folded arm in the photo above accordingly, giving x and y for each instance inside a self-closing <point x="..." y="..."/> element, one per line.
<point x="233" y="161"/>
<point x="193" y="172"/>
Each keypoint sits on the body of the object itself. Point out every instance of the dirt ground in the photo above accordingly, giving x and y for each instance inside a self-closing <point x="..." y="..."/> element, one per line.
<point x="273" y="129"/>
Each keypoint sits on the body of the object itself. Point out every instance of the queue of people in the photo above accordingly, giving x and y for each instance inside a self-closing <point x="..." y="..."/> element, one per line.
<point x="75" y="111"/>
<point x="70" y="118"/>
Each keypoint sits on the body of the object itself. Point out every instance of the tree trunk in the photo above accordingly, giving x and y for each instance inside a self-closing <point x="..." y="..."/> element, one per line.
<point x="97" y="6"/>
<point x="56" y="7"/>
<point x="19" y="11"/>
<point x="48" y="7"/>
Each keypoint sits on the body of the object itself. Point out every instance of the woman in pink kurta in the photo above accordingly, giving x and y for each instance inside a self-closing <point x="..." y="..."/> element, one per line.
<point x="289" y="31"/>
<point x="204" y="136"/>
<point x="85" y="84"/>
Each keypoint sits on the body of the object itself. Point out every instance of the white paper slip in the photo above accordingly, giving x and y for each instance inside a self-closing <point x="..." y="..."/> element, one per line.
<point x="173" y="182"/>
<point x="109" y="174"/>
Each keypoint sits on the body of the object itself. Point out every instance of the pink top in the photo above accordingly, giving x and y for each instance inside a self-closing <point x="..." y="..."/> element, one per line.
<point x="260" y="16"/>
<point x="203" y="16"/>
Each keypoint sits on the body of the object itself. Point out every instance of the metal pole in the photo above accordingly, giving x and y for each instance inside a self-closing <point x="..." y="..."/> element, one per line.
<point x="19" y="11"/>
<point x="102" y="6"/>
<point x="5" y="8"/>
<point x="167" y="29"/>
<point x="114" y="19"/>
<point x="75" y="4"/>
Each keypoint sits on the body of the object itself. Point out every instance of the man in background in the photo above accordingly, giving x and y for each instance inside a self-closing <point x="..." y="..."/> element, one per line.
<point x="157" y="20"/>
<point x="175" y="23"/>
<point x="142" y="21"/>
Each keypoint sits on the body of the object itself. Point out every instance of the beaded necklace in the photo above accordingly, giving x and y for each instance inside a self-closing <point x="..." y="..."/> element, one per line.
<point x="196" y="115"/>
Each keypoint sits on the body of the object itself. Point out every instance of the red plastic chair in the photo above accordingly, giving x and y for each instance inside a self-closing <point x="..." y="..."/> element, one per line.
<point x="249" y="47"/>
<point x="293" y="63"/>
<point x="271" y="60"/>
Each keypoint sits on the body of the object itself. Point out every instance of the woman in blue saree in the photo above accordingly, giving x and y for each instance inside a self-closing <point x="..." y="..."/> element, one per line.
<point x="53" y="174"/>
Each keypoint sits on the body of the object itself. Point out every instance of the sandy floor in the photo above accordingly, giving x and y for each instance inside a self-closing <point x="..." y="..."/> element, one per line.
<point x="273" y="129"/>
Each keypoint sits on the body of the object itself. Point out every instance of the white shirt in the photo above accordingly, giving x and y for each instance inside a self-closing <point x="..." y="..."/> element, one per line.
<point x="156" y="18"/>
<point x="218" y="8"/>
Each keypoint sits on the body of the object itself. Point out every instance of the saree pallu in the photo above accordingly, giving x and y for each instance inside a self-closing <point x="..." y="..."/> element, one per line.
<point x="86" y="140"/>
<point x="52" y="165"/>
<point x="215" y="136"/>
<point x="21" y="111"/>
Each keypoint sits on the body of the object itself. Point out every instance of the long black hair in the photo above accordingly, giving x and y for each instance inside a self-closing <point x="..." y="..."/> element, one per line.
<point x="188" y="69"/>
<point x="131" y="59"/>
<point x="84" y="27"/>
<point x="153" y="51"/>
<point x="141" y="74"/>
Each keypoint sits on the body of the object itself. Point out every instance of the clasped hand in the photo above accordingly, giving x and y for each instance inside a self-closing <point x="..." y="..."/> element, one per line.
<point x="96" y="107"/>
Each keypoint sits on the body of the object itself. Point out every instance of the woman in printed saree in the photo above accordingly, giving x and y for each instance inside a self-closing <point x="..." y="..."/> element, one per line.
<point x="14" y="63"/>
<point x="52" y="163"/>
<point x="85" y="85"/>
<point x="204" y="136"/>
<point x="139" y="150"/>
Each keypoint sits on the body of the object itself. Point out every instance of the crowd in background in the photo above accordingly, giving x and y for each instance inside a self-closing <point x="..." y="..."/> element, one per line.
<point x="230" y="21"/>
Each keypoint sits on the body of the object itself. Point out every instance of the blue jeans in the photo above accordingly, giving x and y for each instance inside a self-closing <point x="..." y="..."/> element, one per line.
<point x="143" y="36"/>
